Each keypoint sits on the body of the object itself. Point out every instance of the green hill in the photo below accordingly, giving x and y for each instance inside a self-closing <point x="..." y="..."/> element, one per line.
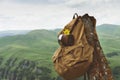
<point x="31" y="51"/>
<point x="28" y="56"/>
<point x="109" y="37"/>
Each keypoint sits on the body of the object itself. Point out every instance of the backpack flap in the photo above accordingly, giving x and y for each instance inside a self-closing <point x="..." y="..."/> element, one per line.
<point x="66" y="38"/>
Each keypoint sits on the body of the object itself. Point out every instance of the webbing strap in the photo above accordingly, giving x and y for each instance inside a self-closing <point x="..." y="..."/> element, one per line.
<point x="75" y="23"/>
<point x="82" y="32"/>
<point x="68" y="49"/>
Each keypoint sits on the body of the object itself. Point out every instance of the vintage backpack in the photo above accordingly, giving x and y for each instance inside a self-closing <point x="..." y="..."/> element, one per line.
<point x="77" y="55"/>
<point x="74" y="56"/>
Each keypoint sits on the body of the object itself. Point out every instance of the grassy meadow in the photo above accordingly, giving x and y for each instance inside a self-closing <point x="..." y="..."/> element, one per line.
<point x="28" y="56"/>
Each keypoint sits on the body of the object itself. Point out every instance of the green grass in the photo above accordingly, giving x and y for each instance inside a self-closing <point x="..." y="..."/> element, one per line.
<point x="39" y="45"/>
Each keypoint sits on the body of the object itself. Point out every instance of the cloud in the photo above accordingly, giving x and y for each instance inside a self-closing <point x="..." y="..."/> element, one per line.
<point x="27" y="16"/>
<point x="50" y="14"/>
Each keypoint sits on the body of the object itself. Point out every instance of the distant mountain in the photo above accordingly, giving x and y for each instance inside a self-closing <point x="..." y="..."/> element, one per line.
<point x="109" y="29"/>
<point x="109" y="35"/>
<point x="28" y="56"/>
<point x="13" y="32"/>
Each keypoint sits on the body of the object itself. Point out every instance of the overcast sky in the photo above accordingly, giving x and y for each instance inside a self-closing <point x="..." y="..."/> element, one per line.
<point x="51" y="14"/>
